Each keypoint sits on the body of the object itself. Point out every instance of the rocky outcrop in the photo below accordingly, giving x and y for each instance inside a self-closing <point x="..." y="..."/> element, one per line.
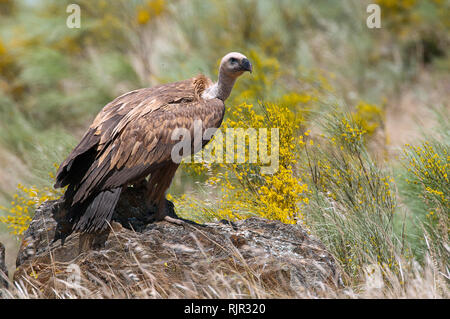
<point x="166" y="260"/>
<point x="3" y="270"/>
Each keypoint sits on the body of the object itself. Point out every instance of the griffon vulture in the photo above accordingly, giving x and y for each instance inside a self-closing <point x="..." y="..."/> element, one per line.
<point x="130" y="139"/>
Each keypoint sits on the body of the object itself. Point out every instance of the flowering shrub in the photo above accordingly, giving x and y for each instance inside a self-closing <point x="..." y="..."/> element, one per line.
<point x="25" y="201"/>
<point x="427" y="192"/>
<point x="278" y="196"/>
<point x="429" y="167"/>
<point x="244" y="189"/>
<point x="369" y="116"/>
<point x="353" y="199"/>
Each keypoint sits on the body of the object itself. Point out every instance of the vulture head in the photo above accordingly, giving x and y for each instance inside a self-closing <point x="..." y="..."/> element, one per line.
<point x="234" y="64"/>
<point x="231" y="67"/>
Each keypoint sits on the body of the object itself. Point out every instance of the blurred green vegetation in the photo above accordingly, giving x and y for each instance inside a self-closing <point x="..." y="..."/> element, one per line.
<point x="320" y="75"/>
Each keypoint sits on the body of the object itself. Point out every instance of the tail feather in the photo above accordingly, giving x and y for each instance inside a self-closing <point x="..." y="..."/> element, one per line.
<point x="91" y="216"/>
<point x="99" y="211"/>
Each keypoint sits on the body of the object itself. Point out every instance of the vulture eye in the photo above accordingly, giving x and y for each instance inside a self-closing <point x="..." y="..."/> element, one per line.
<point x="233" y="60"/>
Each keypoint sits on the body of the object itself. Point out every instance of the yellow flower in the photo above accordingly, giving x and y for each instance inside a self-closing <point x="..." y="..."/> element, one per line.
<point x="143" y="16"/>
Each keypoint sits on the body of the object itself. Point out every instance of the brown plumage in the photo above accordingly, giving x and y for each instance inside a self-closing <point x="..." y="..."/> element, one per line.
<point x="130" y="139"/>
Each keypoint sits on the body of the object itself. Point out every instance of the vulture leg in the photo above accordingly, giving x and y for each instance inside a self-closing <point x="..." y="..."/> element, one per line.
<point x="157" y="186"/>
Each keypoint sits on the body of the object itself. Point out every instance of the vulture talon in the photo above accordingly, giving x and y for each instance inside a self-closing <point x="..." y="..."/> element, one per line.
<point x="181" y="221"/>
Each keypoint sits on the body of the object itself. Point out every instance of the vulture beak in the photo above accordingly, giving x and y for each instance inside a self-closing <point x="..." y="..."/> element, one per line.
<point x="246" y="65"/>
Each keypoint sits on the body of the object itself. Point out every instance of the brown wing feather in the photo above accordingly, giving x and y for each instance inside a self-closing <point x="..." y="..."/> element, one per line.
<point x="132" y="134"/>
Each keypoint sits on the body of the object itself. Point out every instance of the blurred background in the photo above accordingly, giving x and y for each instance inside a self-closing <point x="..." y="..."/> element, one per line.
<point x="309" y="56"/>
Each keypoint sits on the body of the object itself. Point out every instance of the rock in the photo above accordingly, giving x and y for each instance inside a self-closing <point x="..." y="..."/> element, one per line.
<point x="131" y="213"/>
<point x="3" y="269"/>
<point x="221" y="260"/>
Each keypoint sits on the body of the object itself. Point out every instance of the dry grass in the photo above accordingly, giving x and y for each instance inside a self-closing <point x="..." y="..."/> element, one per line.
<point x="224" y="281"/>
<point x="134" y="273"/>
